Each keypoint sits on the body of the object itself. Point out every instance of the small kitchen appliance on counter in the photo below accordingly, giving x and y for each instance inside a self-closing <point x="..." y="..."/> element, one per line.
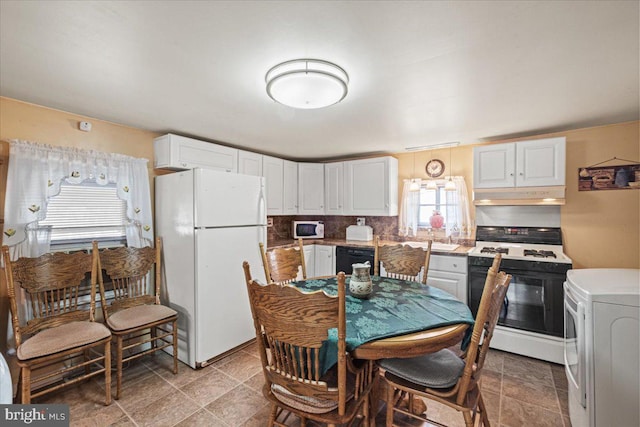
<point x="308" y="229"/>
<point x="359" y="232"/>
<point x="531" y="319"/>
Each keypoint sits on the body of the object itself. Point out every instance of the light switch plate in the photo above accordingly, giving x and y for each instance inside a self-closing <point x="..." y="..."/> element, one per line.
<point x="269" y="222"/>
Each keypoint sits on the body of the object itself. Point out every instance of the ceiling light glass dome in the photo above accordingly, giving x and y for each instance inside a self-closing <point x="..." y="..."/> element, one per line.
<point x="307" y="83"/>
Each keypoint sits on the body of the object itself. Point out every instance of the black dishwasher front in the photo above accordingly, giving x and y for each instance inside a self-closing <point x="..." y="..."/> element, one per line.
<point x="346" y="255"/>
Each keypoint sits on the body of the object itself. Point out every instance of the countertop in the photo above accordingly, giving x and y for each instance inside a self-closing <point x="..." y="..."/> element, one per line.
<point x="287" y="243"/>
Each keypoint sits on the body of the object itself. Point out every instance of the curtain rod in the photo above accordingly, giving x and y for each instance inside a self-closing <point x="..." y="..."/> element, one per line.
<point x="433" y="147"/>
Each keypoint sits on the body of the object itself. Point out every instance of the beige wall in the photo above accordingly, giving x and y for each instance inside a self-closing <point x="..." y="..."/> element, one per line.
<point x="601" y="228"/>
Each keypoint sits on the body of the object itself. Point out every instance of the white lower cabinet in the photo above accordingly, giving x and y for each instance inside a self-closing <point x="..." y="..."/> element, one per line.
<point x="309" y="260"/>
<point x="325" y="261"/>
<point x="449" y="273"/>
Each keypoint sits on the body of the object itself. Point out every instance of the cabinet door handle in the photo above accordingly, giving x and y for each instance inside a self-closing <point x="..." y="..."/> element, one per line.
<point x="510" y="174"/>
<point x="521" y="174"/>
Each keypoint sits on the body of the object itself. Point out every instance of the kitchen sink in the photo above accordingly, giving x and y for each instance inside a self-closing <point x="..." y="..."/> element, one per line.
<point x="435" y="246"/>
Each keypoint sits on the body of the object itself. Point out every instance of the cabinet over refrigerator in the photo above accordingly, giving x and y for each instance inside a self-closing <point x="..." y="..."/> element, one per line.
<point x="210" y="222"/>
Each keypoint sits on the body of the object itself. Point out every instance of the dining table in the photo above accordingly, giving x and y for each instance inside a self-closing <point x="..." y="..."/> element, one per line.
<point x="399" y="318"/>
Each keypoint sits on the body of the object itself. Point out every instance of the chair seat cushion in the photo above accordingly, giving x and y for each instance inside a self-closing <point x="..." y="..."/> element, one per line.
<point x="436" y="370"/>
<point x="312" y="405"/>
<point x="137" y="316"/>
<point x="61" y="338"/>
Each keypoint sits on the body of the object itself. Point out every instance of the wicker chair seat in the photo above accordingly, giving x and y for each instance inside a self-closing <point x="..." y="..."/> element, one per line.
<point x="61" y="338"/>
<point x="436" y="370"/>
<point x="137" y="316"/>
<point x="310" y="404"/>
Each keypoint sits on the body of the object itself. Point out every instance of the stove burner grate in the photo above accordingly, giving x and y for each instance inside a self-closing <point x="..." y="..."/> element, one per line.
<point x="539" y="253"/>
<point x="492" y="250"/>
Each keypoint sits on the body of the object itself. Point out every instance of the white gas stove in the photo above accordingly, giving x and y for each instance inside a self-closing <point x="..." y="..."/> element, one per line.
<point x="531" y="321"/>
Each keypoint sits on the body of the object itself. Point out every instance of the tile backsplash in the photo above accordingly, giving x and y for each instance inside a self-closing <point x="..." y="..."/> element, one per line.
<point x="335" y="227"/>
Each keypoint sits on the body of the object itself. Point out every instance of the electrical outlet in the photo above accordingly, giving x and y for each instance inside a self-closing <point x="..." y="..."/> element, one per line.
<point x="269" y="222"/>
<point x="360" y="221"/>
<point x="85" y="126"/>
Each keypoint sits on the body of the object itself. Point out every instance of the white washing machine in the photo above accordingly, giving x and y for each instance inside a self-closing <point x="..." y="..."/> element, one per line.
<point x="602" y="346"/>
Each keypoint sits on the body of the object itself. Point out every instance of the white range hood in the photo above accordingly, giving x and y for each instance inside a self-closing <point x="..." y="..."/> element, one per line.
<point x="519" y="196"/>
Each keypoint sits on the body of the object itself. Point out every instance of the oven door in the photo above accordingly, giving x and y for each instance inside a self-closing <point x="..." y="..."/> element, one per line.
<point x="574" y="345"/>
<point x="533" y="302"/>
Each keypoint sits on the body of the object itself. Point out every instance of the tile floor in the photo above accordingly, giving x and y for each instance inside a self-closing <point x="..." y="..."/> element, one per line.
<point x="518" y="391"/>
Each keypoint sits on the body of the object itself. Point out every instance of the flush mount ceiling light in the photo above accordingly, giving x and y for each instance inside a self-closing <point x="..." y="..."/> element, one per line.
<point x="307" y="83"/>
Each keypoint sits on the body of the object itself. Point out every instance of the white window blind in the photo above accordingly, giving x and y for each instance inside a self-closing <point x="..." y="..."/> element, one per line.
<point x="86" y="212"/>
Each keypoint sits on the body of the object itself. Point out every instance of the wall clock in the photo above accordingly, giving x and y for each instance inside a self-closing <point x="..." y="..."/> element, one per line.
<point x="434" y="168"/>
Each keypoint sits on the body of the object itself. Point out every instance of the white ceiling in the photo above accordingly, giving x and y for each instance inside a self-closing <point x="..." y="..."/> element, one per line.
<point x="422" y="73"/>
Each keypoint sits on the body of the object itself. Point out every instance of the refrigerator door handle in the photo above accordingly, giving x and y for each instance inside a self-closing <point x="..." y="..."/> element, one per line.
<point x="262" y="208"/>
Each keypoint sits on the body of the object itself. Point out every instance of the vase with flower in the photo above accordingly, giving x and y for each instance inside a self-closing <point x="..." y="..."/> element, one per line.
<point x="436" y="220"/>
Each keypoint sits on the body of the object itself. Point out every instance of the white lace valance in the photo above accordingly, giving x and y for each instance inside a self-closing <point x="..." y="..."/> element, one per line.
<point x="35" y="173"/>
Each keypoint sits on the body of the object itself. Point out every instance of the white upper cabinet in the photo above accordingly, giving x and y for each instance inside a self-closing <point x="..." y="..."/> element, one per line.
<point x="334" y="188"/>
<point x="290" y="188"/>
<point x="179" y="153"/>
<point x="281" y="182"/>
<point x="535" y="163"/>
<point x="311" y="188"/>
<point x="371" y="187"/>
<point x="494" y="166"/>
<point x="273" y="171"/>
<point x="541" y="162"/>
<point x="249" y="163"/>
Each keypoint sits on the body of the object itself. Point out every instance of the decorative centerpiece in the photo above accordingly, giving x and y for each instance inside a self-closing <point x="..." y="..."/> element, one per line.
<point x="360" y="285"/>
<point x="436" y="220"/>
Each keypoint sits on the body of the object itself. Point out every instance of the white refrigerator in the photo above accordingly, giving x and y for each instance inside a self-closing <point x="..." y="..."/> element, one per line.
<point x="210" y="222"/>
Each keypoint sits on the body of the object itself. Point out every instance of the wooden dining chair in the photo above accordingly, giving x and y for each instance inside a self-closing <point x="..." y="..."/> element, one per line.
<point x="402" y="261"/>
<point x="135" y="314"/>
<point x="56" y="335"/>
<point x="444" y="376"/>
<point x="282" y="265"/>
<point x="291" y="327"/>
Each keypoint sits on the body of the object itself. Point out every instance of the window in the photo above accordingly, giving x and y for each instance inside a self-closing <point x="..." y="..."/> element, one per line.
<point x="433" y="200"/>
<point x="86" y="212"/>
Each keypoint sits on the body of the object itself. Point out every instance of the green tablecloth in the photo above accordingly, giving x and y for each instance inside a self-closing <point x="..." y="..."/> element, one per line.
<point x="395" y="307"/>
